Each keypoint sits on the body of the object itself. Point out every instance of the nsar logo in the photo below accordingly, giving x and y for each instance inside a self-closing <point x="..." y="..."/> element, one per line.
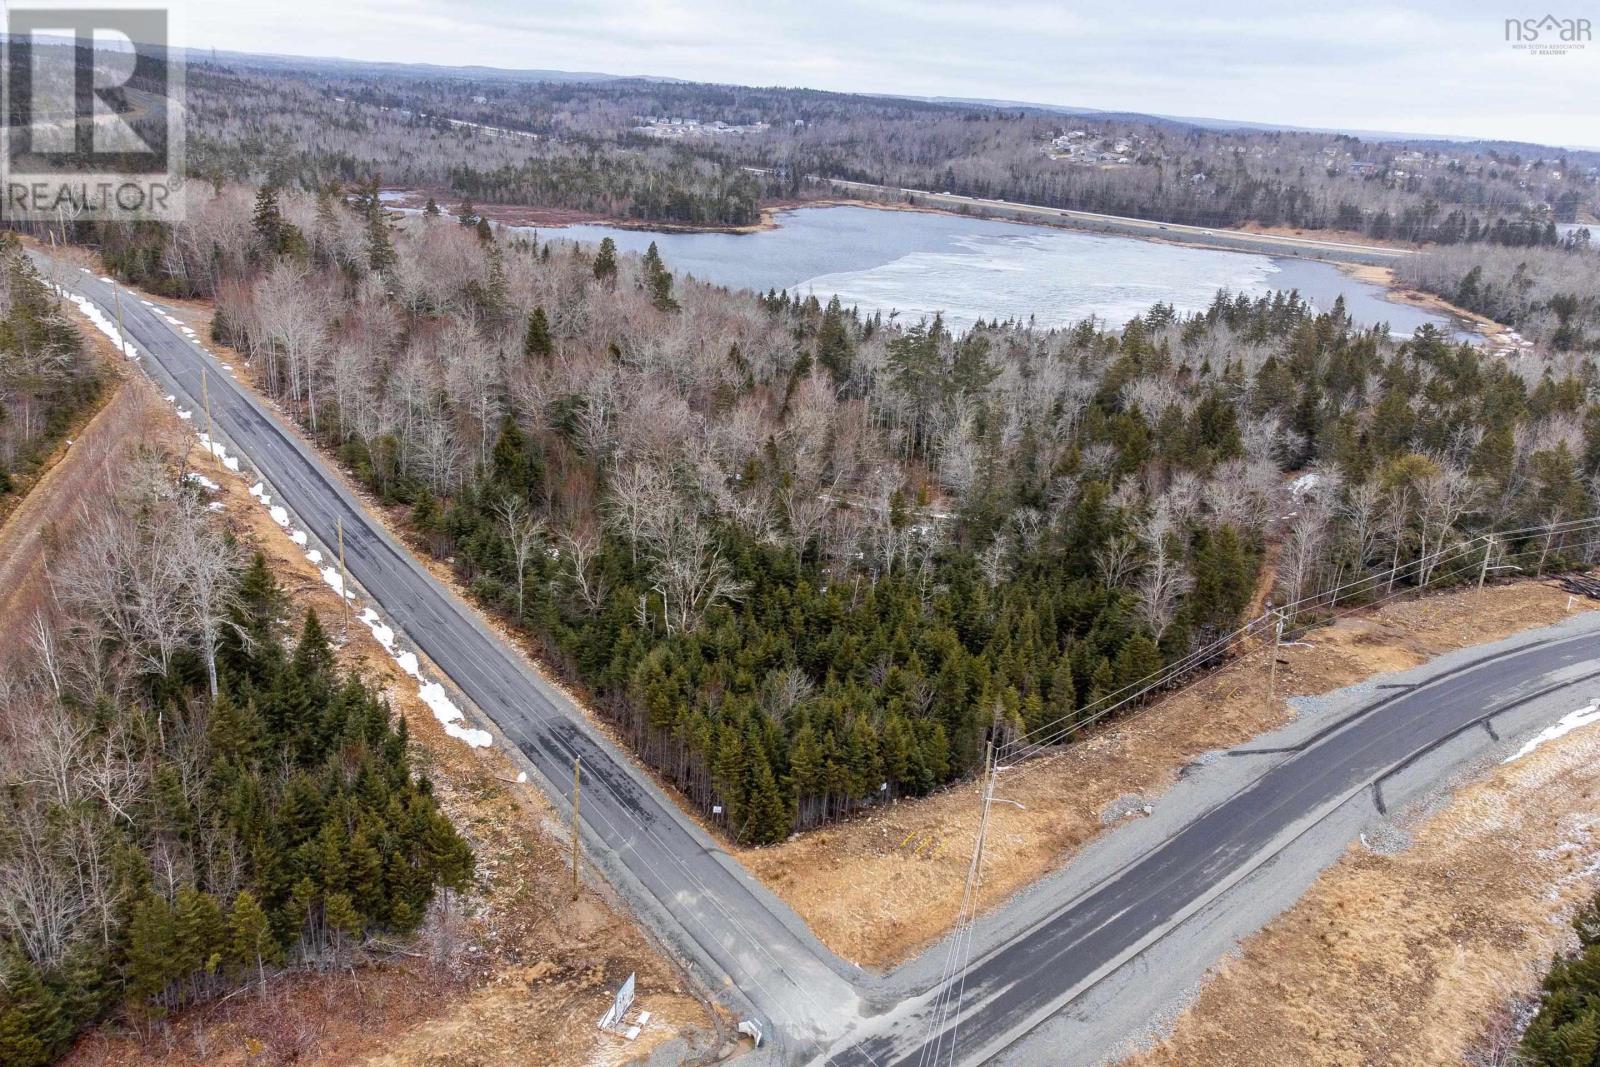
<point x="1548" y="35"/>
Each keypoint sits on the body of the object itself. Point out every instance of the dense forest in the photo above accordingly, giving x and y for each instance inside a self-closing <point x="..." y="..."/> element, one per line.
<point x="1551" y="295"/>
<point x="1566" y="1030"/>
<point x="45" y="376"/>
<point x="588" y="145"/>
<point x="809" y="560"/>
<point x="189" y="802"/>
<point x="287" y="133"/>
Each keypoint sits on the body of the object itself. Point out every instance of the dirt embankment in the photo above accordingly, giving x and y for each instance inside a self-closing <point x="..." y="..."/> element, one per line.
<point x="520" y="969"/>
<point x="1414" y="958"/>
<point x="1349" y="237"/>
<point x="880" y="888"/>
<point x="42" y="513"/>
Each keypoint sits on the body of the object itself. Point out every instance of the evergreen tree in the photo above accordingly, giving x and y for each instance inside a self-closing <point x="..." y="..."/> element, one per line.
<point x="250" y="940"/>
<point x="268" y="219"/>
<point x="536" y="343"/>
<point x="605" y="261"/>
<point x="658" y="280"/>
<point x="152" y="960"/>
<point x="31" y="1023"/>
<point x="767" y="819"/>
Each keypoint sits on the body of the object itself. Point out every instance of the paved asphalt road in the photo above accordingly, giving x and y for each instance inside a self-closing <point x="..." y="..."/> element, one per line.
<point x="713" y="912"/>
<point x="729" y="927"/>
<point x="1019" y="984"/>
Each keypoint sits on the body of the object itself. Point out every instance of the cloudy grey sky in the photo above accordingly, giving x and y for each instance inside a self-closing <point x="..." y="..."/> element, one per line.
<point x="1438" y="67"/>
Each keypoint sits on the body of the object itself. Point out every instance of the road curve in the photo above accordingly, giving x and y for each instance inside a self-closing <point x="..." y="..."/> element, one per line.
<point x="744" y="944"/>
<point x="1015" y="986"/>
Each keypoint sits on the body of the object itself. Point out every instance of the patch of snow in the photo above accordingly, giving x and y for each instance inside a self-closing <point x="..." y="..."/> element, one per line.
<point x="1569" y="722"/>
<point x="522" y="777"/>
<point x="335" y="581"/>
<point x="215" y="505"/>
<point x="381" y="632"/>
<point x="98" y="319"/>
<point x="279" y="515"/>
<point x="1304" y="484"/>
<point x="230" y="462"/>
<point x="299" y="537"/>
<point x="201" y="480"/>
<point x="451" y="717"/>
<point x="315" y="557"/>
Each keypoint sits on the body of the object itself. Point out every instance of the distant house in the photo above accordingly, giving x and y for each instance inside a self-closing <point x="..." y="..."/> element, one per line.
<point x="1197" y="179"/>
<point x="1362" y="168"/>
<point x="480" y="100"/>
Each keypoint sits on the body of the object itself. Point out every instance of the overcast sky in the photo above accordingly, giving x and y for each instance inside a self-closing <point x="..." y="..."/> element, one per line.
<point x="1442" y="68"/>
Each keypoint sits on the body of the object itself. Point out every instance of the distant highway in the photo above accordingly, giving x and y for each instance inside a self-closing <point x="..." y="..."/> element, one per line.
<point x="1123" y="225"/>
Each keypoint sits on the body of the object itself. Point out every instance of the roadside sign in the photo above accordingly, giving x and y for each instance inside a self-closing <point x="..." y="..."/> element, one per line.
<point x="619" y="1005"/>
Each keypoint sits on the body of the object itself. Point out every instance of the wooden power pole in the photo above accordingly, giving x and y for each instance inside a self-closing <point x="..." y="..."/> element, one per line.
<point x="1272" y="670"/>
<point x="205" y="395"/>
<point x="577" y="782"/>
<point x="344" y="581"/>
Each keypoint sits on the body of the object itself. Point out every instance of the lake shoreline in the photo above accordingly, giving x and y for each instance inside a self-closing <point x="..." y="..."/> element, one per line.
<point x="1494" y="334"/>
<point x="796" y="250"/>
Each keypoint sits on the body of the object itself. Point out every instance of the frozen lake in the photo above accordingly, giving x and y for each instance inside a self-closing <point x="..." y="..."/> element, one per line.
<point x="914" y="264"/>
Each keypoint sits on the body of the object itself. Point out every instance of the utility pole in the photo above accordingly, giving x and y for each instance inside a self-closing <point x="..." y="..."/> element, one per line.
<point x="205" y="393"/>
<point x="1483" y="572"/>
<point x="577" y="782"/>
<point x="344" y="581"/>
<point x="1272" y="670"/>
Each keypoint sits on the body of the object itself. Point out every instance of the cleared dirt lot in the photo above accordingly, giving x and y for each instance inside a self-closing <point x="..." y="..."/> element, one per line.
<point x="1413" y="957"/>
<point x="878" y="889"/>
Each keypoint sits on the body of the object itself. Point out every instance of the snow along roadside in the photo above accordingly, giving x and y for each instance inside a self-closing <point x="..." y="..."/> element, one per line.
<point x="1569" y="722"/>
<point x="431" y="693"/>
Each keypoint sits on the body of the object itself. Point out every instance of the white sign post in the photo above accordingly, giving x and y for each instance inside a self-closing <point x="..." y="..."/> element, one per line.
<point x="619" y="1006"/>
